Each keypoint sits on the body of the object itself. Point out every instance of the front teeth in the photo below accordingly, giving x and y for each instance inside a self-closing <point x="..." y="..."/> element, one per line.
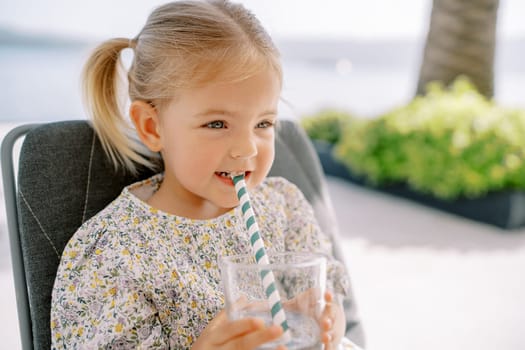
<point x="228" y="174"/>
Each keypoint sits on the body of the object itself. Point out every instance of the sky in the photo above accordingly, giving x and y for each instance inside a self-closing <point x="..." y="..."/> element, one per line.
<point x="361" y="19"/>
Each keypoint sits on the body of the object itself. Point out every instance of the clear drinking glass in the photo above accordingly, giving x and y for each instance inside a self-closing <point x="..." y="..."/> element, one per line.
<point x="300" y="279"/>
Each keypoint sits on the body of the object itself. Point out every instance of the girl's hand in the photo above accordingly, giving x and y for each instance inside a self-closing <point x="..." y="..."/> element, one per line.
<point x="244" y="334"/>
<point x="332" y="323"/>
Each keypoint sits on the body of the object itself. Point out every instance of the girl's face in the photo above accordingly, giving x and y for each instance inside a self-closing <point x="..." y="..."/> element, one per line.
<point x="207" y="133"/>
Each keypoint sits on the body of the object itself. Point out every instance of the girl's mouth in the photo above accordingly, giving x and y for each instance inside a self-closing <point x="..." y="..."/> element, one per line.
<point x="226" y="177"/>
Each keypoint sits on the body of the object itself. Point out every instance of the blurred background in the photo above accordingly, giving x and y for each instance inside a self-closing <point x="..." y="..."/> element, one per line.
<point x="423" y="279"/>
<point x="362" y="56"/>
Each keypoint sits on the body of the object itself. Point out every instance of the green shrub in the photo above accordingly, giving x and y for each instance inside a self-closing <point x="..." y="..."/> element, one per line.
<point x="326" y="125"/>
<point x="451" y="142"/>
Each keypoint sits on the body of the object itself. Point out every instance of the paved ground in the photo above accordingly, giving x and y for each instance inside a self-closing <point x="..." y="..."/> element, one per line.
<point x="428" y="280"/>
<point x="423" y="279"/>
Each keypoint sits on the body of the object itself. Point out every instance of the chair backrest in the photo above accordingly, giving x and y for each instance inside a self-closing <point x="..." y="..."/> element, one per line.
<point x="64" y="178"/>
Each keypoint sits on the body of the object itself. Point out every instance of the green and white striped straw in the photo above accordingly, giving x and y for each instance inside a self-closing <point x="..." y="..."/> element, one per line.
<point x="268" y="280"/>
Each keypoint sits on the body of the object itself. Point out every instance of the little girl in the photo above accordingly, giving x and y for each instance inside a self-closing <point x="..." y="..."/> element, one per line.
<point x="204" y="86"/>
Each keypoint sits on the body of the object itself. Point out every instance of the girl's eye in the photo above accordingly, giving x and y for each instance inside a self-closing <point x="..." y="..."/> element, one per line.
<point x="265" y="124"/>
<point x="216" y="124"/>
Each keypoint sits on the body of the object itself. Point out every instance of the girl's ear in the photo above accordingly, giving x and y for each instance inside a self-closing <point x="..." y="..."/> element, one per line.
<point x="146" y="121"/>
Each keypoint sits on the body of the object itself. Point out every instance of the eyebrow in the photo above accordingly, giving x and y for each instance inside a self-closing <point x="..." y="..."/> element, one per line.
<point x="210" y="112"/>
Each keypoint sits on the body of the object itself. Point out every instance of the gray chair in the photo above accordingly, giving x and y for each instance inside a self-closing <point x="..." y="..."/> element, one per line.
<point x="64" y="178"/>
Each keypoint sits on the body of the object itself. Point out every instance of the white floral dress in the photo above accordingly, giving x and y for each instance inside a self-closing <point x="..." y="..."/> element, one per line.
<point x="134" y="277"/>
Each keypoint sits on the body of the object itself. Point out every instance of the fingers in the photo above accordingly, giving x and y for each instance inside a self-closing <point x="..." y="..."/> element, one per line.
<point x="234" y="329"/>
<point x="247" y="333"/>
<point x="332" y="322"/>
<point x="329" y="313"/>
<point x="326" y="331"/>
<point x="327" y="321"/>
<point x="326" y="339"/>
<point x="255" y="339"/>
<point x="218" y="319"/>
<point x="328" y="296"/>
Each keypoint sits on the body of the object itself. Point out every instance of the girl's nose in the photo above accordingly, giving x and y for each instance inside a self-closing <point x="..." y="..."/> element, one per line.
<point x="243" y="147"/>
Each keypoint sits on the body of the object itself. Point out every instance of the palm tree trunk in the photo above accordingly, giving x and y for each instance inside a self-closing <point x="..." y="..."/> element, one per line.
<point x="461" y="41"/>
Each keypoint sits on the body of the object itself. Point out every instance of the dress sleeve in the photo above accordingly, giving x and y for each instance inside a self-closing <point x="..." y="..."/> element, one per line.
<point x="304" y="234"/>
<point x="95" y="303"/>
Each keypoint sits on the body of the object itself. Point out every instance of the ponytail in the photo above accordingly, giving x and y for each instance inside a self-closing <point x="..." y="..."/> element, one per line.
<point x="105" y="103"/>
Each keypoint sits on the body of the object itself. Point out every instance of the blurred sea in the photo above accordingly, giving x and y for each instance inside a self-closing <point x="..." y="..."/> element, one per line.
<point x="41" y="82"/>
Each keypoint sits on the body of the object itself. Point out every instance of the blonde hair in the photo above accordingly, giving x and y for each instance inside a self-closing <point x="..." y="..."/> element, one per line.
<point x="183" y="44"/>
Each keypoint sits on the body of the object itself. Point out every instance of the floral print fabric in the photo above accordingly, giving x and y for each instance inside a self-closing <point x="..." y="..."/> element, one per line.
<point x="134" y="277"/>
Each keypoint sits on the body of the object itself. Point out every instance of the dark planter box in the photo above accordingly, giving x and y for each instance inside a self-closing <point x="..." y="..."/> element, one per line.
<point x="505" y="209"/>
